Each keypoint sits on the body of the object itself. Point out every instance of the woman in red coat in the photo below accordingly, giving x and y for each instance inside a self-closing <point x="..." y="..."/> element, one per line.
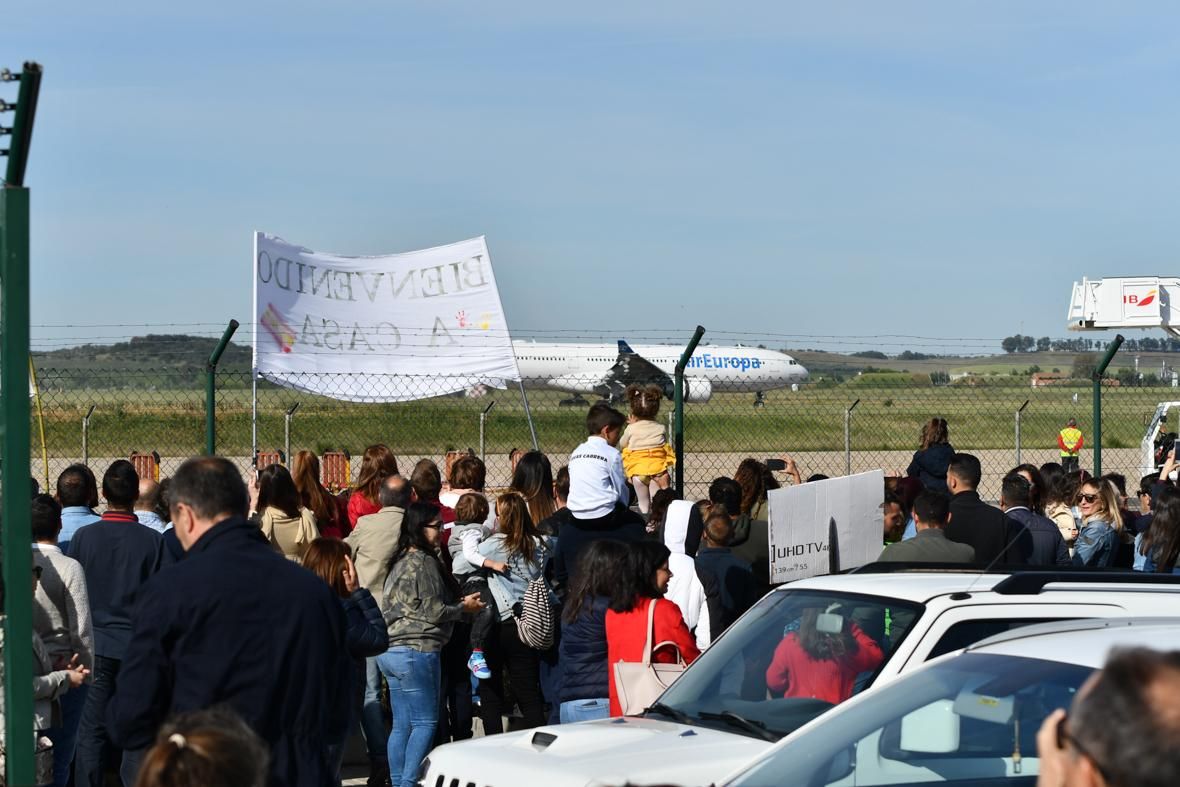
<point x="626" y="618"/>
<point x="377" y="463"/>
<point x="822" y="665"/>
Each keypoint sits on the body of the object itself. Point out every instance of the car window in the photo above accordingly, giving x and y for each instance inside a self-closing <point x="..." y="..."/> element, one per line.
<point x="972" y="719"/>
<point x="968" y="632"/>
<point x="794" y="655"/>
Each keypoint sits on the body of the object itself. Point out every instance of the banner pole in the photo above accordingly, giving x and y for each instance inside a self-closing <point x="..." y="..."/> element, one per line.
<point x="528" y="413"/>
<point x="253" y="417"/>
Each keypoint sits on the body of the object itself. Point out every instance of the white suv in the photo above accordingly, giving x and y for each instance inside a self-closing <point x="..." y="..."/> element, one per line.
<point x="721" y="714"/>
<point x="969" y="719"/>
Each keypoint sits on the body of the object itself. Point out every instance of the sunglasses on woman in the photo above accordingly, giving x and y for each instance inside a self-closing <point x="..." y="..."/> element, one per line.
<point x="1087" y="498"/>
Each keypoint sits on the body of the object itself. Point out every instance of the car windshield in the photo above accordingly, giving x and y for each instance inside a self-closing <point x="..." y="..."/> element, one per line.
<point x="971" y="719"/>
<point x="794" y="655"/>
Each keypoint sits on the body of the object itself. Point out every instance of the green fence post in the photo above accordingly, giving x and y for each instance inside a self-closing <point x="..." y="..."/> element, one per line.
<point x="1099" y="372"/>
<point x="678" y="406"/>
<point x="14" y="443"/>
<point x="211" y="389"/>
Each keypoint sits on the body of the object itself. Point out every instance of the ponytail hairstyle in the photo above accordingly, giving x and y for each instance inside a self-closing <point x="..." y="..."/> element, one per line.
<point x="644" y="400"/>
<point x="203" y="748"/>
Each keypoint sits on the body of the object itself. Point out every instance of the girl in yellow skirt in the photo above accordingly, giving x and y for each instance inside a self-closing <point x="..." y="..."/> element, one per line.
<point x="646" y="452"/>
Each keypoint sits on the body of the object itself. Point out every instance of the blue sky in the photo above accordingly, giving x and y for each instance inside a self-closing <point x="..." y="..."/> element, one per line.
<point x="789" y="170"/>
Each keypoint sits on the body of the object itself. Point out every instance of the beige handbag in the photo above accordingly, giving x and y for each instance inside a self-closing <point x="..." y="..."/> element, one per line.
<point x="639" y="684"/>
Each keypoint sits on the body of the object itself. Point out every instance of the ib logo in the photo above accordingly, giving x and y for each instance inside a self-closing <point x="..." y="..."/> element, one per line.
<point x="1136" y="300"/>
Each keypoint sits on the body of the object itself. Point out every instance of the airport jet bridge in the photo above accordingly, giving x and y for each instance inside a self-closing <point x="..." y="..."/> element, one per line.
<point x="1126" y="302"/>
<point x="1134" y="302"/>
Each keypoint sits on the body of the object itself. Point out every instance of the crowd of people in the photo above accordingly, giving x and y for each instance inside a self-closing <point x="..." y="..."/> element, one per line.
<point x="206" y="605"/>
<point x="209" y="620"/>
<point x="1047" y="516"/>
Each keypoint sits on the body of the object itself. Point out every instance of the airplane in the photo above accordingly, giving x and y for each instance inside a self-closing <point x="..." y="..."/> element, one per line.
<point x="605" y="371"/>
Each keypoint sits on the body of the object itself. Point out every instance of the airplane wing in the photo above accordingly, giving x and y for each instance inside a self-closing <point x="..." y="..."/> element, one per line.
<point x="631" y="367"/>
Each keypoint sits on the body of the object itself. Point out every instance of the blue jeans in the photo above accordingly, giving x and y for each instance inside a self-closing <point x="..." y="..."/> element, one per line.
<point x="413" y="678"/>
<point x="65" y="737"/>
<point x="372" y="714"/>
<point x="585" y="710"/>
<point x="94" y="741"/>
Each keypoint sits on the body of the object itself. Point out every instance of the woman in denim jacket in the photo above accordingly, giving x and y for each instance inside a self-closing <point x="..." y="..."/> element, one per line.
<point x="522" y="550"/>
<point x="1098" y="540"/>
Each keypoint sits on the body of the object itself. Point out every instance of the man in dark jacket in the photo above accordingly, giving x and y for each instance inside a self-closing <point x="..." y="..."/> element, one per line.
<point x="236" y="623"/>
<point x="730" y="587"/>
<point x="1048" y="547"/>
<point x="995" y="538"/>
<point x="119" y="556"/>
<point x="622" y="524"/>
<point x="751" y="537"/>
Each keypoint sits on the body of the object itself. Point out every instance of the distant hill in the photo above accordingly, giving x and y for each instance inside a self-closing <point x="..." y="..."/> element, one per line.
<point x="167" y="360"/>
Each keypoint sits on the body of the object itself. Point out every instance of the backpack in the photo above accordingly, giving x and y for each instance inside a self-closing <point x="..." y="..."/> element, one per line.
<point x="536" y="619"/>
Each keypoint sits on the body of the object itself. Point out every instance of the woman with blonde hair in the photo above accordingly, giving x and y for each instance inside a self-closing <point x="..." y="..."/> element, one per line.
<point x="1102" y="525"/>
<point x="288" y="525"/>
<point x="933" y="456"/>
<point x="330" y="515"/>
<point x="523" y="550"/>
<point x="377" y="464"/>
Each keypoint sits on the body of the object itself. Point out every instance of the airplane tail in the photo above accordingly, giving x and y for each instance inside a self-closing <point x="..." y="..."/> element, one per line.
<point x="624" y="348"/>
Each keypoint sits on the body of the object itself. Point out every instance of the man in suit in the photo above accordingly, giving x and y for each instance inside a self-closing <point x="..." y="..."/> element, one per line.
<point x="995" y="538"/>
<point x="931" y="513"/>
<point x="1048" y="547"/>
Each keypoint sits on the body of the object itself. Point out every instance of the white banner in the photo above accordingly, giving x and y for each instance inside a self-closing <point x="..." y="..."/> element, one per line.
<point x="379" y="329"/>
<point x="806" y="519"/>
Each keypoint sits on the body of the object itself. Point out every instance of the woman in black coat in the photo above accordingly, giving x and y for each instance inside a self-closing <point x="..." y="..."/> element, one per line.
<point x="365" y="634"/>
<point x="584" y="688"/>
<point x="933" y="456"/>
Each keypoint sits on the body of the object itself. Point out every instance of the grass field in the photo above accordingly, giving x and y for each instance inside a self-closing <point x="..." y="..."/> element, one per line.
<point x="886" y="418"/>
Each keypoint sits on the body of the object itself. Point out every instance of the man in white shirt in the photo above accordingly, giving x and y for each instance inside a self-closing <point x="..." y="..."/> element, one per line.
<point x="145" y="506"/>
<point x="599" y="493"/>
<point x="597" y="481"/>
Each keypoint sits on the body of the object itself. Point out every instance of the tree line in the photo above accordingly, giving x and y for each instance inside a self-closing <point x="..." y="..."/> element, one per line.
<point x="1026" y="344"/>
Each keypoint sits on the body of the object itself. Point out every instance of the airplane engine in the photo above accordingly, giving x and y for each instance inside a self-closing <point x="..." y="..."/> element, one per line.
<point x="697" y="389"/>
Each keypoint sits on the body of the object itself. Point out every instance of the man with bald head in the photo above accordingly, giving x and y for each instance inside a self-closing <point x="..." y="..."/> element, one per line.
<point x="145" y="506"/>
<point x="373" y="542"/>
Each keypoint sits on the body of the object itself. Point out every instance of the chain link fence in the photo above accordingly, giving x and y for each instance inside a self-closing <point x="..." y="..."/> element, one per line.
<point x="831" y="428"/>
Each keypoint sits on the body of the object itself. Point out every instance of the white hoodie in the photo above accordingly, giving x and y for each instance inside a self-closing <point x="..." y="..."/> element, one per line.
<point x="685" y="589"/>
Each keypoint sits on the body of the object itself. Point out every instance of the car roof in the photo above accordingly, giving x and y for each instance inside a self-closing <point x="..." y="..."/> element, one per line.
<point x="920" y="584"/>
<point x="1083" y="642"/>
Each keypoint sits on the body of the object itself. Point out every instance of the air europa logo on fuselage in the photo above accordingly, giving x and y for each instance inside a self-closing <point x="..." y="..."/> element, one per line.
<point x="1135" y="300"/>
<point x="736" y="362"/>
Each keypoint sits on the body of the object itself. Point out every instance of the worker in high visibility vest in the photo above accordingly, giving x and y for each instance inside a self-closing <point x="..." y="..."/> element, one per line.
<point x="1069" y="440"/>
